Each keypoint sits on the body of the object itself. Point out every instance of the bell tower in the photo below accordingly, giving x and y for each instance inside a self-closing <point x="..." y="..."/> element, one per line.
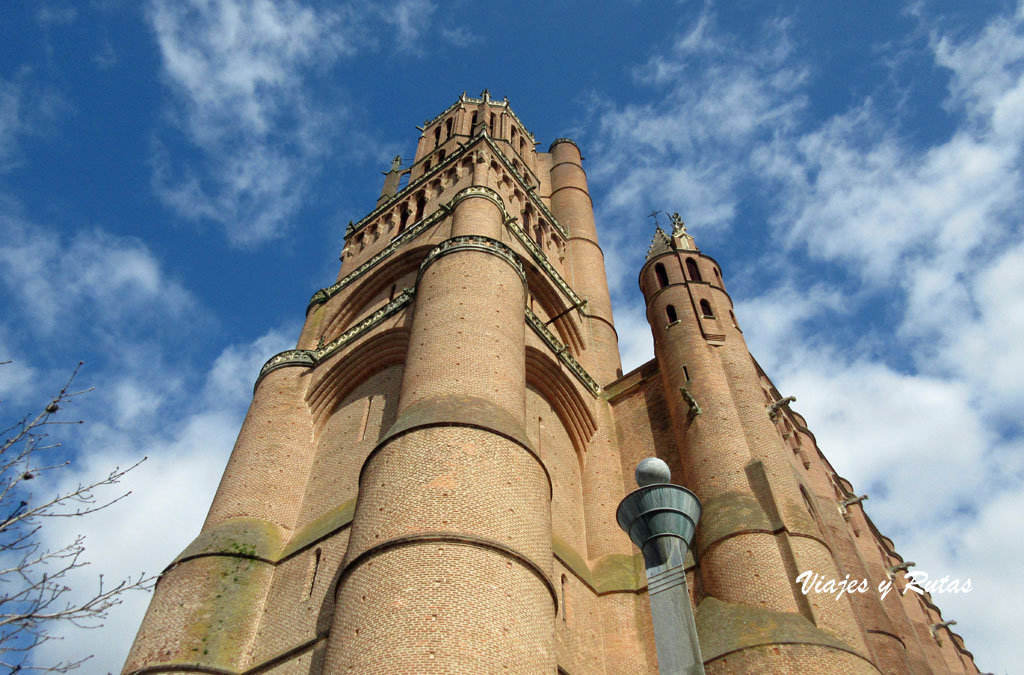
<point x="428" y="482"/>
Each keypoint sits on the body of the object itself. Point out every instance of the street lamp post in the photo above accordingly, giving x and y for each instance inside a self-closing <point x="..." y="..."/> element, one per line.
<point x="661" y="519"/>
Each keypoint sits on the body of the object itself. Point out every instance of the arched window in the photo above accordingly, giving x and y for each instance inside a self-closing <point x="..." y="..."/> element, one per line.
<point x="426" y="166"/>
<point x="448" y="128"/>
<point x="440" y="156"/>
<point x="671" y="312"/>
<point x="733" y="317"/>
<point x="437" y="136"/>
<point x="494" y="121"/>
<point x="513" y="137"/>
<point x="522" y="146"/>
<point x="404" y="218"/>
<point x="659" y="271"/>
<point x="472" y="123"/>
<point x="692" y="271"/>
<point x="718" y="275"/>
<point x="705" y="310"/>
<point x="421" y="204"/>
<point x="526" y="222"/>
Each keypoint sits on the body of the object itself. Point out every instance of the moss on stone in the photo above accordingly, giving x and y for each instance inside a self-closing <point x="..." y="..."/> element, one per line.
<point x="218" y="632"/>
<point x="249" y="537"/>
<point x="728" y="513"/>
<point x="329" y="522"/>
<point x="725" y="627"/>
<point x="610" y="573"/>
<point x="619" y="572"/>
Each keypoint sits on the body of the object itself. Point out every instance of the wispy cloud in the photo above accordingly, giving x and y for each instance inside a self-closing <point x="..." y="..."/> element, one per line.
<point x="460" y="36"/>
<point x="90" y="283"/>
<point x="26" y="109"/>
<point x="171" y="491"/>
<point x="238" y="70"/>
<point x="410" y="19"/>
<point x="923" y="239"/>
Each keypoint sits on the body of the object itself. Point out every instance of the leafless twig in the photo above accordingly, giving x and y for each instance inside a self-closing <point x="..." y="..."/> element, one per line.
<point x="34" y="595"/>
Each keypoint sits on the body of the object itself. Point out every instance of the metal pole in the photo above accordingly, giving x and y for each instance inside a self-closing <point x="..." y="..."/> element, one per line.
<point x="661" y="519"/>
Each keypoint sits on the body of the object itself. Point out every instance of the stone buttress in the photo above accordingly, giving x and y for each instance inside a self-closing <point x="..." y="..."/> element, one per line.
<point x="428" y="482"/>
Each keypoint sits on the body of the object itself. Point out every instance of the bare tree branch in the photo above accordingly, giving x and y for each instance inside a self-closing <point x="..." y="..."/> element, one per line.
<point x="34" y="595"/>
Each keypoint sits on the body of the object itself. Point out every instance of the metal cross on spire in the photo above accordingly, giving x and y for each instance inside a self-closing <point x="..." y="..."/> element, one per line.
<point x="654" y="214"/>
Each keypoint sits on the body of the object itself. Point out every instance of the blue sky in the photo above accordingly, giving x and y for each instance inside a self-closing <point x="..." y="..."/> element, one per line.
<point x="176" y="177"/>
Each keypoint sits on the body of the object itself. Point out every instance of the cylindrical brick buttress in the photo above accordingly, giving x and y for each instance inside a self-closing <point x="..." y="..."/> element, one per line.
<point x="207" y="605"/>
<point x="448" y="565"/>
<point x="571" y="204"/>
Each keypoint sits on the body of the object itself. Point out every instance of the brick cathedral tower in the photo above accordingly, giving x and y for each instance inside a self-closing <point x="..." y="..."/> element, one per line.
<point x="428" y="482"/>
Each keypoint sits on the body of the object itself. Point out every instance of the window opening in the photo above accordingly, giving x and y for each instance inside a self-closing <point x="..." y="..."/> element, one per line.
<point x="705" y="309"/>
<point x="691" y="269"/>
<point x="659" y="271"/>
<point x="671" y="312"/>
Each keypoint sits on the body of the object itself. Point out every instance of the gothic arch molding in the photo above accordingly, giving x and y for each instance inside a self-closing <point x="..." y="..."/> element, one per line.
<point x="371" y="356"/>
<point x="548" y="378"/>
<point x="355" y="303"/>
<point x="554" y="304"/>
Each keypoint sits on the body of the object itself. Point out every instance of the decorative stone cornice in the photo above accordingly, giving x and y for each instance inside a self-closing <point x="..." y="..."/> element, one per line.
<point x="291" y="357"/>
<point x="463" y="100"/>
<point x="478" y="191"/>
<point x="562" y="352"/>
<point x="564" y="140"/>
<point x="310" y="358"/>
<point x="474" y="242"/>
<point x="455" y="156"/>
<point x="530" y="190"/>
<point x="324" y="294"/>
<point x="400" y="301"/>
<point x="513" y="225"/>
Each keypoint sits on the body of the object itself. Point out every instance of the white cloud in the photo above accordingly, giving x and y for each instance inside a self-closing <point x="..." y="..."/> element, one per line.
<point x="238" y="70"/>
<point x="110" y="277"/>
<point x="410" y="19"/>
<point x="460" y="36"/>
<point x="712" y="101"/>
<point x="25" y="110"/>
<point x="907" y="362"/>
<point x="171" y="491"/>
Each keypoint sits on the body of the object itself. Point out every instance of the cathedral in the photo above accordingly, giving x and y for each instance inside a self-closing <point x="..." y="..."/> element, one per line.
<point x="428" y="482"/>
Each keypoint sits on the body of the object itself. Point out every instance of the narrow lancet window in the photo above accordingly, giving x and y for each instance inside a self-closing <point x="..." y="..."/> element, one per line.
<point x="659" y="271"/>
<point x="692" y="271"/>
<point x="671" y="312"/>
<point x="705" y="310"/>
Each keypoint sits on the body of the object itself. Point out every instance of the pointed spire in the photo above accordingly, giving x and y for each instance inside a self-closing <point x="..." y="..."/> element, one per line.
<point x="660" y="243"/>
